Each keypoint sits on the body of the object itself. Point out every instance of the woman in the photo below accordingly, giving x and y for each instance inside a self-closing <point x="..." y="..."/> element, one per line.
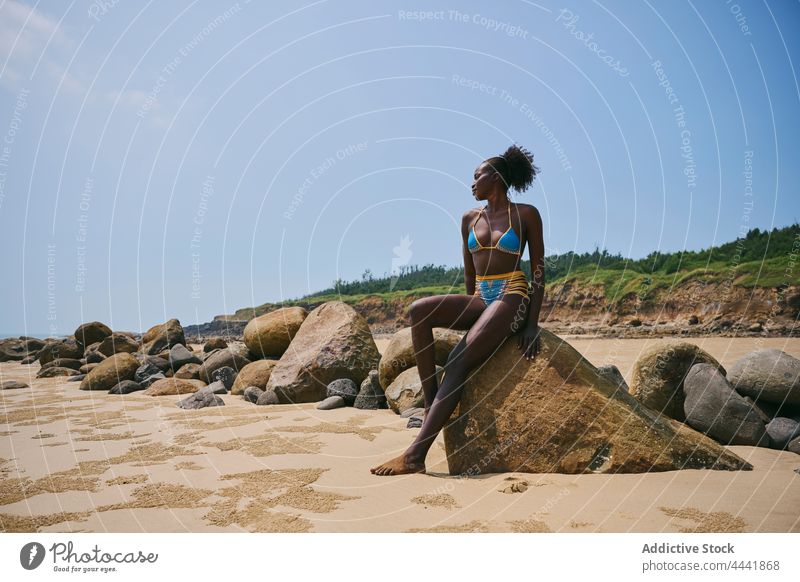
<point x="499" y="300"/>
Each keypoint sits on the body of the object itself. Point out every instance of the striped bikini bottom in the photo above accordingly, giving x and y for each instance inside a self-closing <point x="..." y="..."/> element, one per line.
<point x="492" y="287"/>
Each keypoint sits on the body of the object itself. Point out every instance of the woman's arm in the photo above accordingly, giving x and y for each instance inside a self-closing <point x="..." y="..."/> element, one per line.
<point x="529" y="338"/>
<point x="469" y="266"/>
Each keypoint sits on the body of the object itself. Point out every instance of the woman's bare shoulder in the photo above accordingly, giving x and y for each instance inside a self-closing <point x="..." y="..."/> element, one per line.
<point x="529" y="211"/>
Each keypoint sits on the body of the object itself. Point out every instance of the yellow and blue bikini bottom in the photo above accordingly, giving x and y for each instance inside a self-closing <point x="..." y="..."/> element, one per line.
<point x="492" y="287"/>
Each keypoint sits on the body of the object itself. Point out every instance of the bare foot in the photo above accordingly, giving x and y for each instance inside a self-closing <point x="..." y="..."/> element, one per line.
<point x="398" y="466"/>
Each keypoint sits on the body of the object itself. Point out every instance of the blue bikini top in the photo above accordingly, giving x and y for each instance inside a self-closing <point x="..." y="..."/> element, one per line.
<point x="508" y="243"/>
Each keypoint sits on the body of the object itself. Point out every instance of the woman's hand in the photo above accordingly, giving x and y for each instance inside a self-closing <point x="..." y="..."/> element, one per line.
<point x="529" y="342"/>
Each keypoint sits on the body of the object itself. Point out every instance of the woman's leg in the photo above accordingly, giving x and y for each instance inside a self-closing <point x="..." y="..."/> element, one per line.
<point x="451" y="311"/>
<point x="494" y="325"/>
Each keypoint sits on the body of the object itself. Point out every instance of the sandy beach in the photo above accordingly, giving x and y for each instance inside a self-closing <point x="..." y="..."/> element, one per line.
<point x="93" y="462"/>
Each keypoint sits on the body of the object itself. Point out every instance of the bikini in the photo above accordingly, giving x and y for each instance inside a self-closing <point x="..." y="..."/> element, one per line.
<point x="493" y="287"/>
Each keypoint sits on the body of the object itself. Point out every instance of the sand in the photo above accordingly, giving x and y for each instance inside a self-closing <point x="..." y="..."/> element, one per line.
<point x="93" y="462"/>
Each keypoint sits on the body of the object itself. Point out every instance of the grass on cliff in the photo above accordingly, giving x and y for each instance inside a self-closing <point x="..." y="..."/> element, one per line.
<point x="759" y="259"/>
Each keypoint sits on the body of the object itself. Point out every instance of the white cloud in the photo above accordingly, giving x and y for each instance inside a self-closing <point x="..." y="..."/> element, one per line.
<point x="30" y="39"/>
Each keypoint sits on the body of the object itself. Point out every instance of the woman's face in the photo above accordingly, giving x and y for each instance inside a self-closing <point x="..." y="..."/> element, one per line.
<point x="482" y="181"/>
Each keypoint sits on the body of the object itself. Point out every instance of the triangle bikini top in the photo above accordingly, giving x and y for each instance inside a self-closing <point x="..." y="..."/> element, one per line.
<point x="508" y="243"/>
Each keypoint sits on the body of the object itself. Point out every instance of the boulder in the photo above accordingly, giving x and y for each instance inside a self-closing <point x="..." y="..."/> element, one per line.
<point x="252" y="393"/>
<point x="215" y="343"/>
<point x="370" y="395"/>
<point x="173" y="386"/>
<point x="794" y="447"/>
<point x="333" y="342"/>
<point x="714" y="408"/>
<point x="406" y="390"/>
<point x="92" y="332"/>
<point x="62" y="363"/>
<point x="399" y="354"/>
<point x="86" y="368"/>
<point x="220" y="359"/>
<point x="344" y="388"/>
<point x="179" y="356"/>
<point x="556" y="414"/>
<point x="92" y="356"/>
<point x="189" y="372"/>
<point x="201" y="399"/>
<point x="110" y="372"/>
<point x="268" y="336"/>
<point x="781" y="431"/>
<point x="657" y="380"/>
<point x="54" y="349"/>
<point x="126" y="387"/>
<point x="117" y="343"/>
<point x="267" y="397"/>
<point x="225" y="375"/>
<point x="240" y="349"/>
<point x="769" y="375"/>
<point x="162" y="337"/>
<point x="12" y="385"/>
<point x="15" y="350"/>
<point x="55" y="371"/>
<point x="330" y="403"/>
<point x="254" y="374"/>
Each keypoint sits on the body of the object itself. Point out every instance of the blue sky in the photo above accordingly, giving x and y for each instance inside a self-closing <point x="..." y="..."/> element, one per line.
<point x="186" y="159"/>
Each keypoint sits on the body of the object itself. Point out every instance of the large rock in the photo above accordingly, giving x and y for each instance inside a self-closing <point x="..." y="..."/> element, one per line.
<point x="268" y="336"/>
<point x="714" y="408"/>
<point x="556" y="414"/>
<point x="254" y="374"/>
<point x="657" y="380"/>
<point x="162" y="337"/>
<point x="173" y="386"/>
<point x="89" y="333"/>
<point x="15" y="350"/>
<point x="117" y="343"/>
<point x="345" y="389"/>
<point x="110" y="372"/>
<point x="333" y="342"/>
<point x="201" y="399"/>
<point x="782" y="431"/>
<point x="179" y="355"/>
<point x="219" y="359"/>
<point x="406" y="390"/>
<point x="189" y="372"/>
<point x="55" y="371"/>
<point x="54" y="349"/>
<point x="63" y="363"/>
<point x="399" y="355"/>
<point x="768" y="375"/>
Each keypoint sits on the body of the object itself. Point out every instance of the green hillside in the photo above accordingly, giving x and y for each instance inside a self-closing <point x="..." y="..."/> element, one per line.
<point x="759" y="259"/>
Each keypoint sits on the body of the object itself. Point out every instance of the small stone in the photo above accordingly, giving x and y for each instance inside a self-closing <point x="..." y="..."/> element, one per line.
<point x="145" y="371"/>
<point x="409" y="412"/>
<point x="201" y="399"/>
<point x="76" y="378"/>
<point x="330" y="403"/>
<point x="12" y="385"/>
<point x="345" y="388"/>
<point x="268" y="397"/>
<point x="781" y="431"/>
<point x="414" y="422"/>
<point x="252" y="393"/>
<point x="216" y="387"/>
<point x="126" y="387"/>
<point x="147" y="382"/>
<point x="371" y="395"/>
<point x="225" y="374"/>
